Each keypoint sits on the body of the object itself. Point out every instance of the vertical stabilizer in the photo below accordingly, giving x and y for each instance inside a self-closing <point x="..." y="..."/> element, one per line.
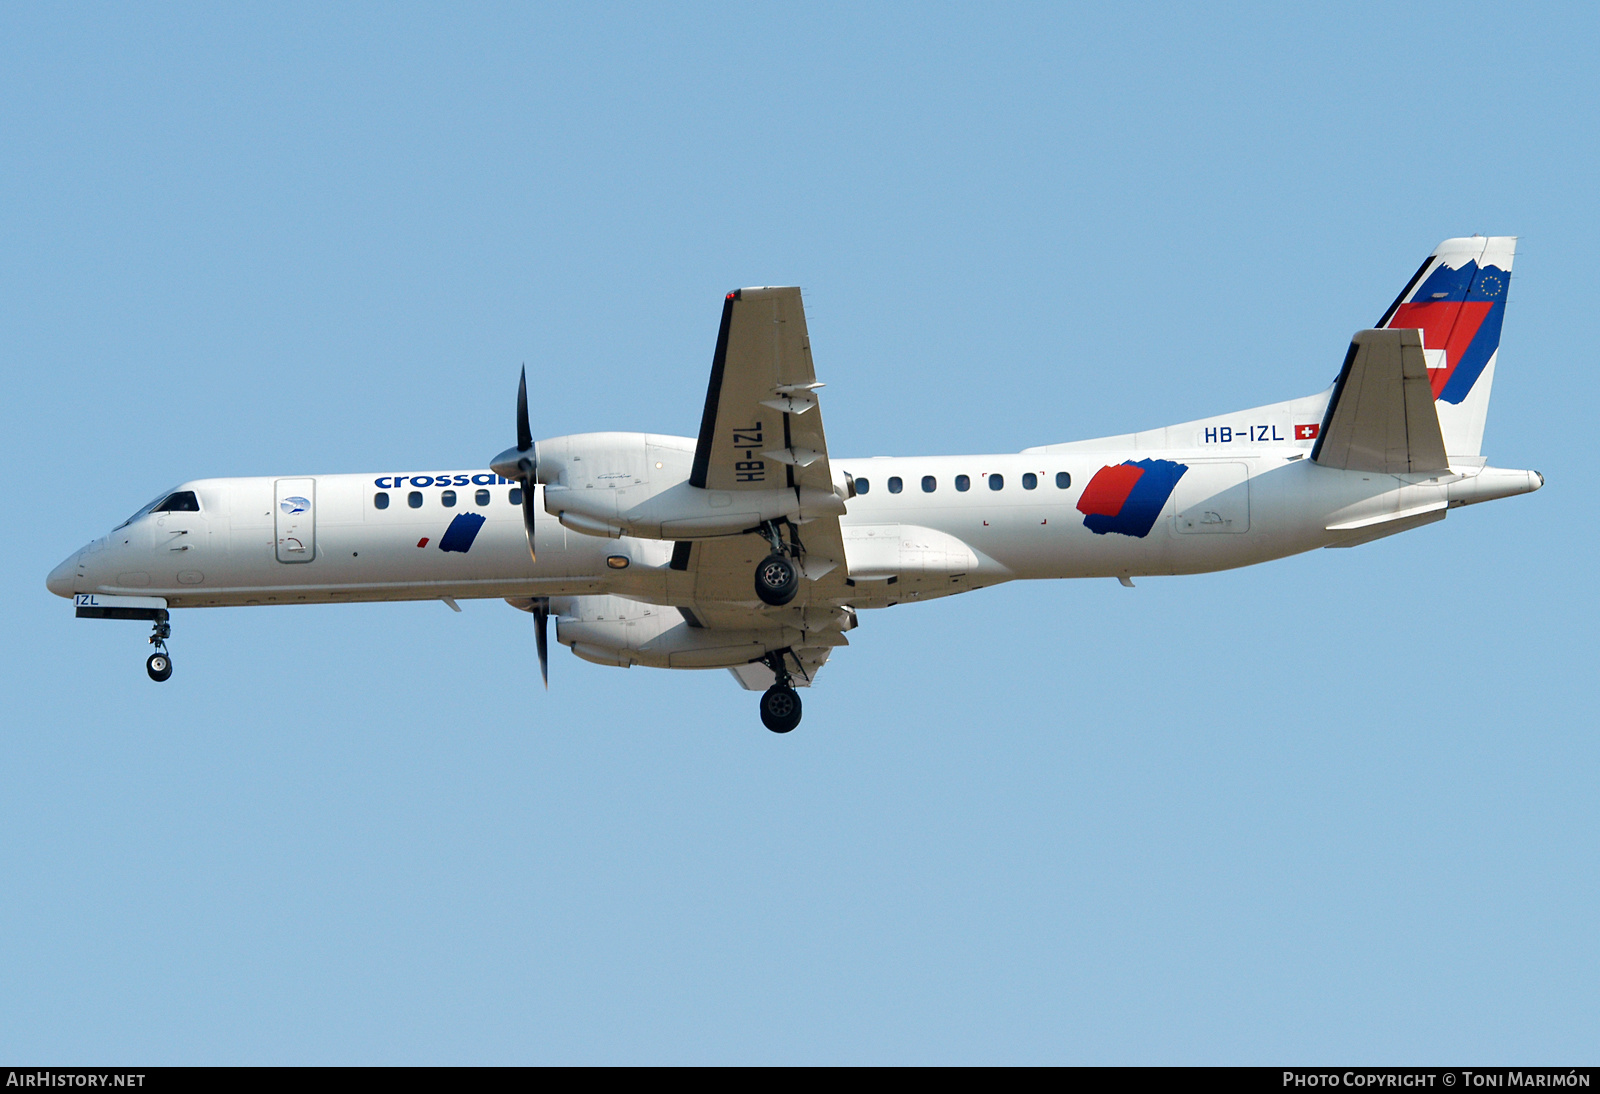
<point x="1457" y="299"/>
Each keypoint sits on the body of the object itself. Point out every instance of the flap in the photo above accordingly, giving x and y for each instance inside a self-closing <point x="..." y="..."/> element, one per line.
<point x="803" y="663"/>
<point x="891" y="550"/>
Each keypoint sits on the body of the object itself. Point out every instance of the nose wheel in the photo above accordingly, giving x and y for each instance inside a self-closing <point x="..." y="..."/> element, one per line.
<point x="159" y="664"/>
<point x="780" y="704"/>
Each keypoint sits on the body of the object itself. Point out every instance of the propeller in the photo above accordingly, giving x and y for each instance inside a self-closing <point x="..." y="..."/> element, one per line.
<point x="521" y="465"/>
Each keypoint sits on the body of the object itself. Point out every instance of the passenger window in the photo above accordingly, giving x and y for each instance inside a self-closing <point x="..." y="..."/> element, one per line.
<point x="1063" y="480"/>
<point x="183" y="501"/>
<point x="414" y="499"/>
<point x="863" y="486"/>
<point x="516" y="495"/>
<point x="482" y="498"/>
<point x="380" y="500"/>
<point x="929" y="484"/>
<point x="963" y="483"/>
<point x="448" y="499"/>
<point x="997" y="482"/>
<point x="1030" y="481"/>
<point x="894" y="484"/>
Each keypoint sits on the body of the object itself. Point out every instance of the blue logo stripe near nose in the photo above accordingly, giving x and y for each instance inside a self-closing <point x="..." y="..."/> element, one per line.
<point x="462" y="531"/>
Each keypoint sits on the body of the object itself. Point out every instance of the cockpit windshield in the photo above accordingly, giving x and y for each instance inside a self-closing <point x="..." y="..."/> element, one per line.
<point x="168" y="501"/>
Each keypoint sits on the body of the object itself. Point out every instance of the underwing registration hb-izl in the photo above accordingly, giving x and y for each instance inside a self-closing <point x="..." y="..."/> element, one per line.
<point x="753" y="548"/>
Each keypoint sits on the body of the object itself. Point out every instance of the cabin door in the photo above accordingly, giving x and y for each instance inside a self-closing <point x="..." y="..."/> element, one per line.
<point x="295" y="512"/>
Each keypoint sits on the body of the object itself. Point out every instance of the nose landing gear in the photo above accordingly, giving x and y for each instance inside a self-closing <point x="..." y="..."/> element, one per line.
<point x="159" y="664"/>
<point x="147" y="609"/>
<point x="780" y="704"/>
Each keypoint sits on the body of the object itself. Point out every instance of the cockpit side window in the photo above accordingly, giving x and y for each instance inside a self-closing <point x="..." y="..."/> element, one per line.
<point x="182" y="501"/>
<point x="150" y="507"/>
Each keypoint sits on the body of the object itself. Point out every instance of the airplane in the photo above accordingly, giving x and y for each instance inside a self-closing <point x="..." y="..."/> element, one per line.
<point x="753" y="548"/>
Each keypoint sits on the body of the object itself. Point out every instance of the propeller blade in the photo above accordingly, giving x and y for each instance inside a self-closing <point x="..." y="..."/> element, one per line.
<point x="541" y="639"/>
<point x="527" y="515"/>
<point x="524" y="433"/>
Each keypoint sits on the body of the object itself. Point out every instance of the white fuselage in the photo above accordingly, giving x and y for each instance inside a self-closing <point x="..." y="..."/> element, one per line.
<point x="1237" y="504"/>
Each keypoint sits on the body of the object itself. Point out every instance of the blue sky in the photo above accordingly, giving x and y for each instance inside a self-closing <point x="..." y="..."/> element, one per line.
<point x="1337" y="808"/>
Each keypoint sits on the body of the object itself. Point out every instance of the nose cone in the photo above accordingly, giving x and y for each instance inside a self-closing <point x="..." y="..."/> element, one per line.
<point x="62" y="578"/>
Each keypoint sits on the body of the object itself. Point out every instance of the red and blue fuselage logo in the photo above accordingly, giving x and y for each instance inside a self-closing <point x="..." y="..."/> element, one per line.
<point x="1460" y="312"/>
<point x="1128" y="497"/>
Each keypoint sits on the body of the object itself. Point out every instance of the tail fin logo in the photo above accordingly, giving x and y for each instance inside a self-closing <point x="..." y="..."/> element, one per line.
<point x="1128" y="497"/>
<point x="1459" y="311"/>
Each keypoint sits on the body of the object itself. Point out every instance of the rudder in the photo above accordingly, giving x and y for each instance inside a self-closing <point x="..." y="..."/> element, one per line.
<point x="1457" y="299"/>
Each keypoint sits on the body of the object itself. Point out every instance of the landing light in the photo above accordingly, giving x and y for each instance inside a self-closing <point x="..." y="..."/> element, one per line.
<point x="617" y="562"/>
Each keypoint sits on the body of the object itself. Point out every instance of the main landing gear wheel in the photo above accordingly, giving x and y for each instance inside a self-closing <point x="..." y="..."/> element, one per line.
<point x="780" y="708"/>
<point x="777" y="580"/>
<point x="159" y="666"/>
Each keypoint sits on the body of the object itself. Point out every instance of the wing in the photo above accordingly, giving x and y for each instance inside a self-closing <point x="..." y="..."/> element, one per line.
<point x="716" y="575"/>
<point x="762" y="429"/>
<point x="618" y="630"/>
<point x="762" y="426"/>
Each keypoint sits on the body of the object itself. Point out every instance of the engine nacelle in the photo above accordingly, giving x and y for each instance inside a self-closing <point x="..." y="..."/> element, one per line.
<point x="611" y="630"/>
<point x="637" y="484"/>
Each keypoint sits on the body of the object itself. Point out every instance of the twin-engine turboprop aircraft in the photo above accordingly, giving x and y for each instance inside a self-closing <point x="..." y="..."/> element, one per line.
<point x="752" y="548"/>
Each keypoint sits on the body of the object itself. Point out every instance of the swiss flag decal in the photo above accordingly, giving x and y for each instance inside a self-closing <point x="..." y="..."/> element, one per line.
<point x="1306" y="432"/>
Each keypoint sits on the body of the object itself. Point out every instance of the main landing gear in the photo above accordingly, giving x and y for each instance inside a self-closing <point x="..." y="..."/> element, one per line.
<point x="777" y="577"/>
<point x="159" y="664"/>
<point x="780" y="704"/>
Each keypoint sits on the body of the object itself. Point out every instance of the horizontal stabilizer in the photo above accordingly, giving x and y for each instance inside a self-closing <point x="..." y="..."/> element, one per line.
<point x="1381" y="417"/>
<point x="1366" y="532"/>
